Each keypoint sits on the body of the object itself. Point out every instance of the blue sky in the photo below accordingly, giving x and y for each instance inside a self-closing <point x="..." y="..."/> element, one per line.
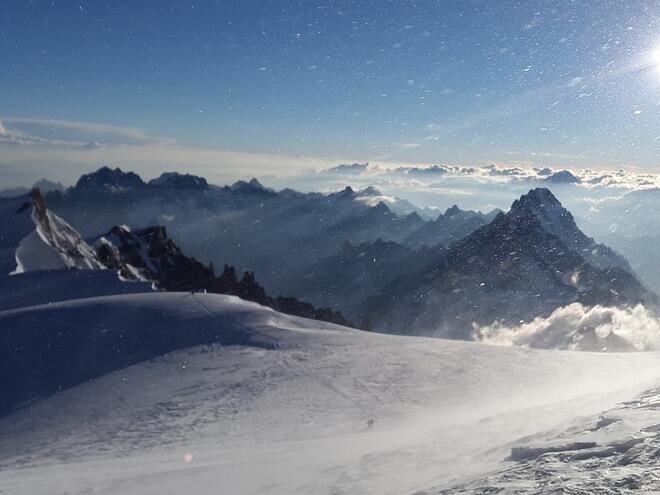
<point x="560" y="83"/>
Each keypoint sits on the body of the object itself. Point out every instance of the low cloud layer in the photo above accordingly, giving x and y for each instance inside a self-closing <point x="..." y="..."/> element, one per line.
<point x="507" y="173"/>
<point x="577" y="327"/>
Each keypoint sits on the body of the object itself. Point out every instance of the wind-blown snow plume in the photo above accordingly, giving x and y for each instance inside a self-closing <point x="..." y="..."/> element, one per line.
<point x="577" y="327"/>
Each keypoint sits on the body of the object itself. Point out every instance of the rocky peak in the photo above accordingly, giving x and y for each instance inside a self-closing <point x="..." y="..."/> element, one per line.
<point x="541" y="205"/>
<point x="179" y="181"/>
<point x="453" y="211"/>
<point x="253" y="186"/>
<point x="106" y="179"/>
<point x="536" y="200"/>
<point x="562" y="177"/>
<point x="370" y="191"/>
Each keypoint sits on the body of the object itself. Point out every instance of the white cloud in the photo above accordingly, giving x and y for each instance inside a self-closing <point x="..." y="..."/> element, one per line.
<point x="580" y="328"/>
<point x="64" y="149"/>
<point x="73" y="133"/>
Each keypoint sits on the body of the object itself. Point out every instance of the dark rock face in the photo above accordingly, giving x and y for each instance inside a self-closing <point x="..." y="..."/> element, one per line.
<point x="252" y="187"/>
<point x="106" y="179"/>
<point x="148" y="254"/>
<point x="513" y="269"/>
<point x="541" y="205"/>
<point x="179" y="181"/>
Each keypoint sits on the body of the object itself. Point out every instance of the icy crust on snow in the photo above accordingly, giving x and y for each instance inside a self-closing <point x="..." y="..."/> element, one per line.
<point x="281" y="405"/>
<point x="615" y="452"/>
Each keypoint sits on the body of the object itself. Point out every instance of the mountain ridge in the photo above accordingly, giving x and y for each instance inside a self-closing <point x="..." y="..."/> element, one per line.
<point x="512" y="269"/>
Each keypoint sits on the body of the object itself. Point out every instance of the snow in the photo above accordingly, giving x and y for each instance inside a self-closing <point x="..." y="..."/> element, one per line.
<point x="613" y="452"/>
<point x="33" y="238"/>
<point x="289" y="405"/>
<point x="64" y="241"/>
<point x="33" y="254"/>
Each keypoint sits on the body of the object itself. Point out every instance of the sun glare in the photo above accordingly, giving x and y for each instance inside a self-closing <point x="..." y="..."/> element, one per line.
<point x="654" y="58"/>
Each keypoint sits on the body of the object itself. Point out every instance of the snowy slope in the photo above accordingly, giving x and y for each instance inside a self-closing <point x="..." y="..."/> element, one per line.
<point x="292" y="405"/>
<point x="612" y="452"/>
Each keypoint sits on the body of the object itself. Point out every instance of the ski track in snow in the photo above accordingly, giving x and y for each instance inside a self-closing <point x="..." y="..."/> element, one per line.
<point x="321" y="409"/>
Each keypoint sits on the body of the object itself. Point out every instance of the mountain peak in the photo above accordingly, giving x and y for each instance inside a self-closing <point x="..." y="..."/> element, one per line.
<point x="542" y="206"/>
<point x="370" y="191"/>
<point x="251" y="186"/>
<point x="535" y="200"/>
<point x="255" y="183"/>
<point x="107" y="179"/>
<point x="563" y="177"/>
<point x="454" y="210"/>
<point x="179" y="181"/>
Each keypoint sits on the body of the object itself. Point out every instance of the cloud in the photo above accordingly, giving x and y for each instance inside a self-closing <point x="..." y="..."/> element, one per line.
<point x="64" y="149"/>
<point x="25" y="131"/>
<point x="514" y="172"/>
<point x="578" y="327"/>
<point x="352" y="169"/>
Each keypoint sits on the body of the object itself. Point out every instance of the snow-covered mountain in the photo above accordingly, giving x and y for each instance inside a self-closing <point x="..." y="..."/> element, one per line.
<point x="34" y="238"/>
<point x="273" y="404"/>
<point x="525" y="263"/>
<point x="150" y="255"/>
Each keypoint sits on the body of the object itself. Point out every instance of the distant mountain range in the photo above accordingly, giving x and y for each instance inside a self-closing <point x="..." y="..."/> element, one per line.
<point x="276" y="234"/>
<point x="343" y="251"/>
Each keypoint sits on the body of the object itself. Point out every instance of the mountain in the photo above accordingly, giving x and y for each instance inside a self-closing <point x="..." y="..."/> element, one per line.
<point x="185" y="393"/>
<point x="354" y="273"/>
<point x="150" y="255"/>
<point x="555" y="219"/>
<point x="106" y="180"/>
<point x="44" y="185"/>
<point x="251" y="187"/>
<point x="34" y="238"/>
<point x="179" y="181"/>
<point x="276" y="234"/>
<point x="449" y="227"/>
<point x="524" y="264"/>
<point x="562" y="177"/>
